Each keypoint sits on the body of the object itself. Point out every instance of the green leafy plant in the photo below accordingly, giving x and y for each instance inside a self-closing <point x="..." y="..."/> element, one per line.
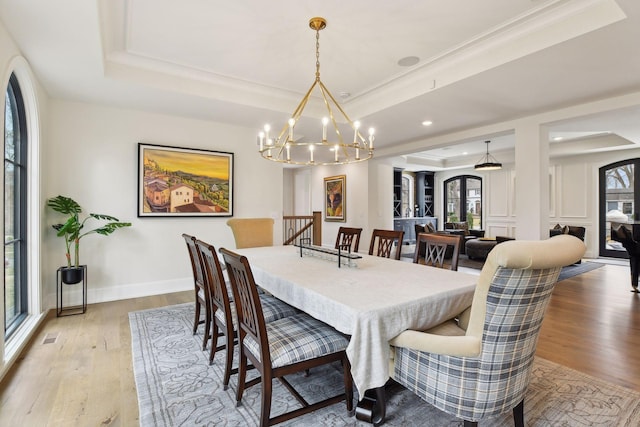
<point x="73" y="229"/>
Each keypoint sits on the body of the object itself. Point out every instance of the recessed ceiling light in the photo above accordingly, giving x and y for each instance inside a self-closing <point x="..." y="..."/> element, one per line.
<point x="427" y="123"/>
<point x="408" y="61"/>
<point x="464" y="153"/>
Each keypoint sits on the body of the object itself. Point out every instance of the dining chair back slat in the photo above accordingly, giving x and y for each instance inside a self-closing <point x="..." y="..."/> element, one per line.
<point x="436" y="250"/>
<point x="348" y="239"/>
<point x="382" y="242"/>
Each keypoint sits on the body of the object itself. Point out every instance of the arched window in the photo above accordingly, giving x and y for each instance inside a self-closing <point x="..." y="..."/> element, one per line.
<point x="463" y="200"/>
<point x="15" y="208"/>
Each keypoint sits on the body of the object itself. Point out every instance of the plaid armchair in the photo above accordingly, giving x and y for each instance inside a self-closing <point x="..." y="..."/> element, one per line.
<point x="479" y="364"/>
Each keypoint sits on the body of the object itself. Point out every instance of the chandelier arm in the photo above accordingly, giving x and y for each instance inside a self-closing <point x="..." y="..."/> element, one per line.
<point x="342" y="111"/>
<point x="298" y="111"/>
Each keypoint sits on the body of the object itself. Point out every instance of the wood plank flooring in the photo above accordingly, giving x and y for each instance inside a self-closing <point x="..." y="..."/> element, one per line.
<point x="85" y="377"/>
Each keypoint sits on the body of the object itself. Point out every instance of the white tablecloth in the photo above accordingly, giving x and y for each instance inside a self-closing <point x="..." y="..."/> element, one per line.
<point x="372" y="302"/>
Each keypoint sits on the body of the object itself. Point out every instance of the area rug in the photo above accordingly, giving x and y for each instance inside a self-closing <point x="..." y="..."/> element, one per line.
<point x="177" y="387"/>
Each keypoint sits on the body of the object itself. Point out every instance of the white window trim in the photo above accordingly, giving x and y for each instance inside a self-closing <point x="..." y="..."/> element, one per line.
<point x="12" y="348"/>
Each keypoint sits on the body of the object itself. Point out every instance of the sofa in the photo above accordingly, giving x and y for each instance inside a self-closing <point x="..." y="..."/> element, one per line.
<point x="571" y="230"/>
<point x="462" y="228"/>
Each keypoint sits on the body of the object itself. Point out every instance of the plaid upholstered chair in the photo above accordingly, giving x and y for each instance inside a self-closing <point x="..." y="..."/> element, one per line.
<point x="479" y="365"/>
<point x="295" y="343"/>
<point x="223" y="312"/>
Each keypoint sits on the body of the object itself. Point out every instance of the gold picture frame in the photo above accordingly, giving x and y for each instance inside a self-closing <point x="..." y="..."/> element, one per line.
<point x="335" y="198"/>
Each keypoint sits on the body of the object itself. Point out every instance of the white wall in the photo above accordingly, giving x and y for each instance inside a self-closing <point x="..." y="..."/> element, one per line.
<point x="91" y="156"/>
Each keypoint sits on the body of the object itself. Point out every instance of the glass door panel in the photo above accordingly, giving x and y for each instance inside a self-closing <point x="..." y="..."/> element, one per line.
<point x="618" y="202"/>
<point x="452" y="191"/>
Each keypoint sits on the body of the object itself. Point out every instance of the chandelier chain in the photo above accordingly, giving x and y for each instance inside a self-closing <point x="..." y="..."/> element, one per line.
<point x="317" y="55"/>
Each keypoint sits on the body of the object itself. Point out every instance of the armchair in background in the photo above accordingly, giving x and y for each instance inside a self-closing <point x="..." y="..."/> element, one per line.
<point x="252" y="232"/>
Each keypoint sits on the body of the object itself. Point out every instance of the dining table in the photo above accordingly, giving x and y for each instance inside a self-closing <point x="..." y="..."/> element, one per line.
<point x="371" y="300"/>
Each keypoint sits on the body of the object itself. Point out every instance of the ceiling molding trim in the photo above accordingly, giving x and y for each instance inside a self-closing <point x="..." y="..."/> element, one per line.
<point x="532" y="33"/>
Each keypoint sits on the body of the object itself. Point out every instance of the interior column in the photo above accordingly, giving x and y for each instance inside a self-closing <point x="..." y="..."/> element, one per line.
<point x="531" y="181"/>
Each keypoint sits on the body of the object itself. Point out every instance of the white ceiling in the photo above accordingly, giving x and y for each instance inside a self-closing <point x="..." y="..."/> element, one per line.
<point x="250" y="62"/>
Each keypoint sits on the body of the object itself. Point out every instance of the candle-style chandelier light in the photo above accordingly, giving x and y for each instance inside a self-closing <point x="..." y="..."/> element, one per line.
<point x="329" y="150"/>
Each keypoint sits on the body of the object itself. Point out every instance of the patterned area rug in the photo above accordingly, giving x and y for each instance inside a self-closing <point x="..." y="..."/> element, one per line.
<point x="176" y="386"/>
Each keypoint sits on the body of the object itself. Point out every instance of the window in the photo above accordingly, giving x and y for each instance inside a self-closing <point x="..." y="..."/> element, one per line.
<point x="463" y="200"/>
<point x="15" y="208"/>
<point x="407" y="195"/>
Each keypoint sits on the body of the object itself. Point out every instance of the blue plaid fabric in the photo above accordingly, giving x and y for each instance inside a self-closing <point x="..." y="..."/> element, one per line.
<point x="496" y="381"/>
<point x="297" y="338"/>
<point x="272" y="308"/>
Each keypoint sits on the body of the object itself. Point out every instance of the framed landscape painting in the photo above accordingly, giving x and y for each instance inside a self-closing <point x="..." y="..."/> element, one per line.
<point x="184" y="182"/>
<point x="335" y="198"/>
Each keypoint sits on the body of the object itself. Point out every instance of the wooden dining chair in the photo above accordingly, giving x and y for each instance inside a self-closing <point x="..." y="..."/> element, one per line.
<point x="292" y="344"/>
<point x="202" y="297"/>
<point x="382" y="242"/>
<point x="224" y="317"/>
<point x="348" y="239"/>
<point x="436" y="250"/>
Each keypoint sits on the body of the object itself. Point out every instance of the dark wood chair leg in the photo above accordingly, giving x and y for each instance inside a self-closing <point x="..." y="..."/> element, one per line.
<point x="207" y="328"/>
<point x="518" y="414"/>
<point x="214" y="342"/>
<point x="266" y="401"/>
<point x="196" y="320"/>
<point x="229" y="360"/>
<point x="242" y="376"/>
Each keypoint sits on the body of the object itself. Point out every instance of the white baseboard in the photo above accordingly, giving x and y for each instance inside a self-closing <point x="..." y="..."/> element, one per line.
<point x="73" y="293"/>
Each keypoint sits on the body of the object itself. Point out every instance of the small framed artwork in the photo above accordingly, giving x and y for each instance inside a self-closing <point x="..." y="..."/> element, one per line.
<point x="184" y="182"/>
<point x="335" y="191"/>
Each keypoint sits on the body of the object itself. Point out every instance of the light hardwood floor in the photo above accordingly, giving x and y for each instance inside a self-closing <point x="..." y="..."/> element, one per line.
<point x="85" y="377"/>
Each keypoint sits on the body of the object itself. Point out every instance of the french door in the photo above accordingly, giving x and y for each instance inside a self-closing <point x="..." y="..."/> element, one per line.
<point x="463" y="200"/>
<point x="619" y="202"/>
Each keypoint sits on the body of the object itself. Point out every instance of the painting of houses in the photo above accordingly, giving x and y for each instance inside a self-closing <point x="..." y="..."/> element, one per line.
<point x="177" y="181"/>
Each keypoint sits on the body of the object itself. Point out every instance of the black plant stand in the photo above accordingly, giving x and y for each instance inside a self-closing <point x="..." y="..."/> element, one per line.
<point x="75" y="309"/>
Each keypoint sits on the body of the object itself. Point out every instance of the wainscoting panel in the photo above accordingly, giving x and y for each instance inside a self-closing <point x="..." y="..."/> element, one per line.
<point x="498" y="185"/>
<point x="573" y="198"/>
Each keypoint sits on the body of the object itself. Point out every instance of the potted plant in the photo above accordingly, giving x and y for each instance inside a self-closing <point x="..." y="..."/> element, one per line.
<point x="73" y="230"/>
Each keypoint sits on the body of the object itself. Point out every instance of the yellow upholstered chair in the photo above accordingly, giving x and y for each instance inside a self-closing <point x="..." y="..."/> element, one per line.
<point x="252" y="232"/>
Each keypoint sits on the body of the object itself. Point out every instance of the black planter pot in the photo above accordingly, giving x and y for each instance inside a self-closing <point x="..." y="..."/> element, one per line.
<point x="72" y="275"/>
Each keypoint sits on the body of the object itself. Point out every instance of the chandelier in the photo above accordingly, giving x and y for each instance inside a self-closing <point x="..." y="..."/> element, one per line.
<point x="327" y="150"/>
<point x="488" y="162"/>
